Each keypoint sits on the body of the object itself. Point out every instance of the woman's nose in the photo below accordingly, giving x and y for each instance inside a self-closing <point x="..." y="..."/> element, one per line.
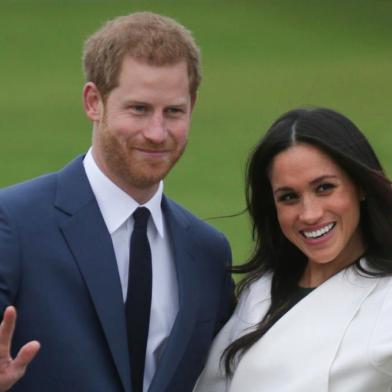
<point x="311" y="210"/>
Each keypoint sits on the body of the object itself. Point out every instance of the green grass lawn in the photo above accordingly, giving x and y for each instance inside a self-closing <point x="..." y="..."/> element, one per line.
<point x="260" y="58"/>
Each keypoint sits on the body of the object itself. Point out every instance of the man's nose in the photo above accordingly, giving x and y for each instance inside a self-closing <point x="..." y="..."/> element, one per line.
<point x="156" y="129"/>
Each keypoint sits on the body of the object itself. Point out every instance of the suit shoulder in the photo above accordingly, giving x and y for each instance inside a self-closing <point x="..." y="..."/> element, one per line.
<point x="29" y="192"/>
<point x="196" y="223"/>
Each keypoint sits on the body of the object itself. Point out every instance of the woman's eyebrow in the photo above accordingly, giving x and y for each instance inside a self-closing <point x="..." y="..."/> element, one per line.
<point x="323" y="178"/>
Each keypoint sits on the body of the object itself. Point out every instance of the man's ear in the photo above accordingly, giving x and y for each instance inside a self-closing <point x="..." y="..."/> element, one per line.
<point x="193" y="100"/>
<point x="92" y="101"/>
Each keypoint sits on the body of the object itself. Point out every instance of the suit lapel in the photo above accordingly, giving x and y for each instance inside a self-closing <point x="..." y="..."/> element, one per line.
<point x="90" y="243"/>
<point x="188" y="285"/>
<point x="310" y="334"/>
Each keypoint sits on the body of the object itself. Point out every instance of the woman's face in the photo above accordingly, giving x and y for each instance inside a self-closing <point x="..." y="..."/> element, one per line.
<point x="318" y="206"/>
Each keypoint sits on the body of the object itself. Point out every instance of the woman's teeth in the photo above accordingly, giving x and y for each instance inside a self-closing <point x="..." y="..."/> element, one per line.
<point x="318" y="233"/>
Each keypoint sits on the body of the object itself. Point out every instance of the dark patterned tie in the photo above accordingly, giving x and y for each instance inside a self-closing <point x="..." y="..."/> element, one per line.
<point x="138" y="303"/>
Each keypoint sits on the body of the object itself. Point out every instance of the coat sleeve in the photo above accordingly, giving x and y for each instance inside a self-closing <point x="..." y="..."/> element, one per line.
<point x="9" y="261"/>
<point x="244" y="318"/>
<point x="228" y="300"/>
<point x="381" y="347"/>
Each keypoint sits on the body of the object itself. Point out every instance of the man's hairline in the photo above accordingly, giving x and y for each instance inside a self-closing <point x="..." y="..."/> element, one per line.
<point x="145" y="61"/>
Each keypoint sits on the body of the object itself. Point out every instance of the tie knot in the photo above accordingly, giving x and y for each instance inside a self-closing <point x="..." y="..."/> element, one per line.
<point x="140" y="217"/>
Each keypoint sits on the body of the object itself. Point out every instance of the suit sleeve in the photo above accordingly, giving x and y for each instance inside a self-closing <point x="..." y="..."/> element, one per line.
<point x="213" y="377"/>
<point x="9" y="262"/>
<point x="228" y="300"/>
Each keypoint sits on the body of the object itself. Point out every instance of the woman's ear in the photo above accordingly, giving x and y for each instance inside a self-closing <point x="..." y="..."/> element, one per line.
<point x="362" y="195"/>
<point x="92" y="101"/>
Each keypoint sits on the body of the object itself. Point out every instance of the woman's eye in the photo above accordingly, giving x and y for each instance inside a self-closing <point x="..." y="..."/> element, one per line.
<point x="325" y="187"/>
<point x="287" y="197"/>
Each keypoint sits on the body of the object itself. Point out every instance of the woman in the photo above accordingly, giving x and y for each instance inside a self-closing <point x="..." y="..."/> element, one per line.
<point x="315" y="309"/>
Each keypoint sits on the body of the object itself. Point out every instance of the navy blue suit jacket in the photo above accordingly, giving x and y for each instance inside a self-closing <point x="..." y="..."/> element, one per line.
<point x="57" y="266"/>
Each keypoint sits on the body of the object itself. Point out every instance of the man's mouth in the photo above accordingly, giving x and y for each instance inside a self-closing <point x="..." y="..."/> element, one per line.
<point x="314" y="234"/>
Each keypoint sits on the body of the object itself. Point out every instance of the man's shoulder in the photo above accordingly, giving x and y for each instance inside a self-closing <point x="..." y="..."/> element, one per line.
<point x="205" y="240"/>
<point x="32" y="191"/>
<point x="28" y="187"/>
<point x="190" y="220"/>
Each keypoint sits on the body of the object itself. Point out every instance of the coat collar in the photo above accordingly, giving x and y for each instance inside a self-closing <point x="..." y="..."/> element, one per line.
<point x="86" y="234"/>
<point x="114" y="203"/>
<point x="333" y="305"/>
<point x="189" y="283"/>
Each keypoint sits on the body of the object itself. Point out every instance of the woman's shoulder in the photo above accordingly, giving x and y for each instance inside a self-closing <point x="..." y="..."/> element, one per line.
<point x="254" y="300"/>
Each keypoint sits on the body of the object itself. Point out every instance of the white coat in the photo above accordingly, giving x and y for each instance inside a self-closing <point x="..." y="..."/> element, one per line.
<point x="337" y="339"/>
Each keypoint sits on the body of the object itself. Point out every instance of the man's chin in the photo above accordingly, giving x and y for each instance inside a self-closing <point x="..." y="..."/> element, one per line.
<point x="148" y="180"/>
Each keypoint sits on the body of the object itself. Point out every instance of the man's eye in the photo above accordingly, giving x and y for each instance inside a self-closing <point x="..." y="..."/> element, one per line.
<point x="139" y="108"/>
<point x="174" y="111"/>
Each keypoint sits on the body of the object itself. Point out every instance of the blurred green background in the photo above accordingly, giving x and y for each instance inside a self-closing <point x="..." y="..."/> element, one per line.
<point x="260" y="58"/>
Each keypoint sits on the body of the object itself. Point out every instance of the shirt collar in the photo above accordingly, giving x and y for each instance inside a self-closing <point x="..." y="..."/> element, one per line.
<point x="116" y="205"/>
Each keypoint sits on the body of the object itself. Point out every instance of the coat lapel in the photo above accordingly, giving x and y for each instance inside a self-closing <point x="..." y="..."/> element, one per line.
<point x="188" y="286"/>
<point x="90" y="243"/>
<point x="305" y="338"/>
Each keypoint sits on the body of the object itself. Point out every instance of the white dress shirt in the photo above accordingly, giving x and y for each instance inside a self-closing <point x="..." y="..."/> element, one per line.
<point x="117" y="208"/>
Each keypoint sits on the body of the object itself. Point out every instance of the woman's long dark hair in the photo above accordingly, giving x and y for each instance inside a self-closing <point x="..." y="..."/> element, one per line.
<point x="347" y="146"/>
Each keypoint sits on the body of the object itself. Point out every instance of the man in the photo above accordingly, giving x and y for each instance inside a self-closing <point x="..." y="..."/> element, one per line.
<point x="67" y="248"/>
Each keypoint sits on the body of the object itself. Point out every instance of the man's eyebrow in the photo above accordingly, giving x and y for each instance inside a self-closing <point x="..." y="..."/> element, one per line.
<point x="131" y="101"/>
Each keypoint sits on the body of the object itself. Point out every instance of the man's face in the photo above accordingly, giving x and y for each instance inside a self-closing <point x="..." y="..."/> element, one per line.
<point x="143" y="127"/>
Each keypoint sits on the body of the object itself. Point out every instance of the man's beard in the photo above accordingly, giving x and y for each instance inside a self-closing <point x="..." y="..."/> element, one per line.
<point x="128" y="165"/>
